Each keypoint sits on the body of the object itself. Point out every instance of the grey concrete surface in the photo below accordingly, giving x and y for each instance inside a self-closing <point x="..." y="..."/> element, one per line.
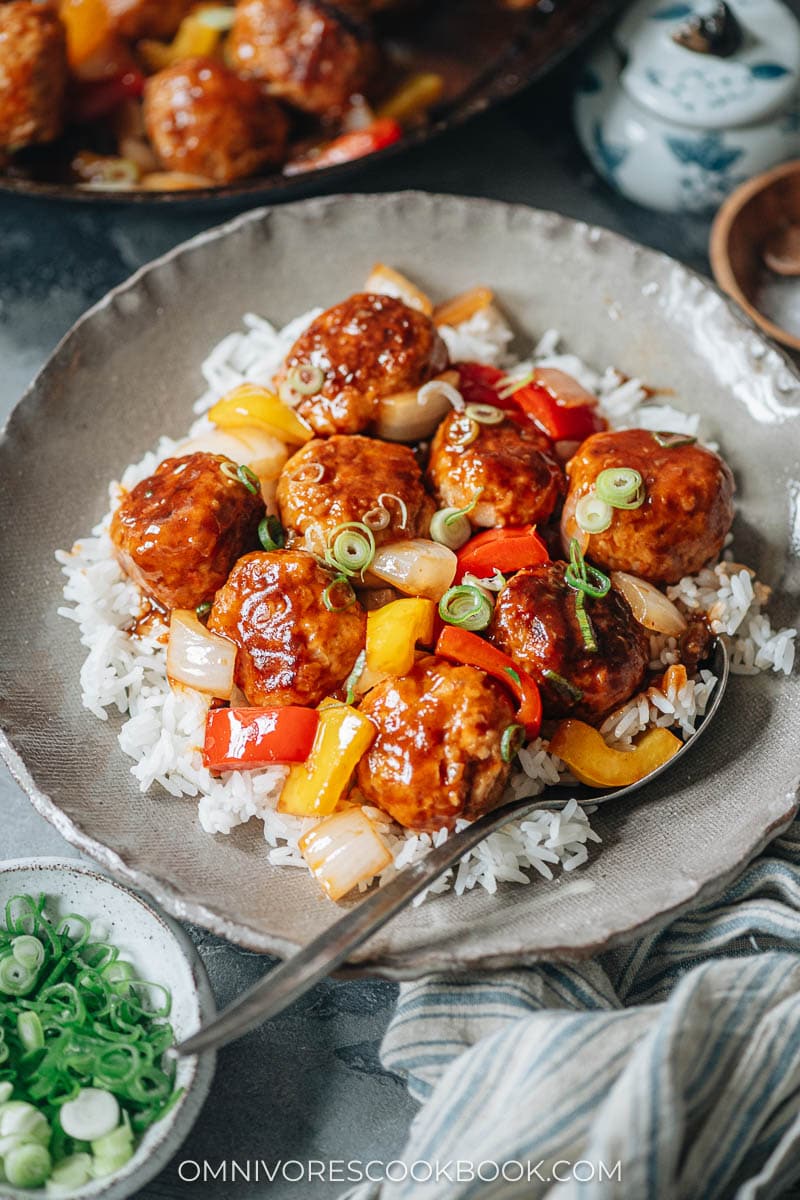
<point x="309" y="1085"/>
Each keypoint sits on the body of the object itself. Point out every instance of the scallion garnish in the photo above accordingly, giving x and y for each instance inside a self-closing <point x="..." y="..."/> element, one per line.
<point x="563" y="685"/>
<point x="306" y="380"/>
<point x="509" y="385"/>
<point x="467" y="607"/>
<point x="587" y="629"/>
<point x="511" y="742"/>
<point x="351" y="548"/>
<point x="450" y="527"/>
<point x="670" y="441"/>
<point x="592" y="514"/>
<point x="514" y="675"/>
<point x="271" y="533"/>
<point x="354" y="676"/>
<point x="621" y="487"/>
<point x="203" y="609"/>
<point x="463" y="431"/>
<point x="582" y="577"/>
<point x="242" y="474"/>
<point x="342" y="584"/>
<point x="485" y="414"/>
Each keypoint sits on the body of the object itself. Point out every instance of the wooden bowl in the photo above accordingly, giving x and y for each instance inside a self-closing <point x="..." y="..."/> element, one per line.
<point x="755" y="211"/>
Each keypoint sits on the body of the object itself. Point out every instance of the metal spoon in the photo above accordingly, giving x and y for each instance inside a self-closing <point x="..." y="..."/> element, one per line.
<point x="319" y="958"/>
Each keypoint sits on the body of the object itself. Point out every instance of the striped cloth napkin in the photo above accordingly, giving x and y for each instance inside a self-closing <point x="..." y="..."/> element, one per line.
<point x="664" y="1070"/>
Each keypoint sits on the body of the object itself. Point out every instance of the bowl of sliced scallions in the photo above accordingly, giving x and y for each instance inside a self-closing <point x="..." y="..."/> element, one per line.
<point x="95" y="986"/>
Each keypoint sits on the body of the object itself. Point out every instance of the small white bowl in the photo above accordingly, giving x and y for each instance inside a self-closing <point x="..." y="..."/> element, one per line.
<point x="160" y="951"/>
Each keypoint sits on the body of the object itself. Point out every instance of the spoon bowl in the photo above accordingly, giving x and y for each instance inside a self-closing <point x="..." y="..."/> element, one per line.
<point x="287" y="982"/>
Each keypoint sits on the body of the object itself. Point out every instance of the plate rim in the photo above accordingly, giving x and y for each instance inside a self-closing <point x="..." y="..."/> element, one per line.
<point x="390" y="965"/>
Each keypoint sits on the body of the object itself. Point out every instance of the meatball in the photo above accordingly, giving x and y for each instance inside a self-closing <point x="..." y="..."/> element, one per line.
<point x="292" y="650"/>
<point x="314" y="55"/>
<point x="178" y="533"/>
<point x="536" y="622"/>
<point x="146" y="18"/>
<point x="33" y="74"/>
<point x="437" y="753"/>
<point x="510" y="466"/>
<point x="367" y="347"/>
<point x="687" y="510"/>
<point x="350" y="478"/>
<point x="202" y="119"/>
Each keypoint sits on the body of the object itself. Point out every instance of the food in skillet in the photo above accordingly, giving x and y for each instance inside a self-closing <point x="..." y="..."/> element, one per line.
<point x="404" y="577"/>
<point x="181" y="94"/>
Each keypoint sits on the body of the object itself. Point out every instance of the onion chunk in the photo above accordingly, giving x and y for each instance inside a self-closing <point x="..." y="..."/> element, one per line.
<point x="197" y="658"/>
<point x="344" y="850"/>
<point x="650" y="607"/>
<point x="416" y="567"/>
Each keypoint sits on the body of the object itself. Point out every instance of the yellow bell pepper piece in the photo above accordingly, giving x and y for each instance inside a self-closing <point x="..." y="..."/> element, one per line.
<point x="194" y="39"/>
<point x="251" y="405"/>
<point x="315" y="787"/>
<point x="414" y="97"/>
<point x="591" y="761"/>
<point x="393" y="632"/>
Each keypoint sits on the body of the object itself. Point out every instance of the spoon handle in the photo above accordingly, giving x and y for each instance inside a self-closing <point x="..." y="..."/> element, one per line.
<point x="296" y="975"/>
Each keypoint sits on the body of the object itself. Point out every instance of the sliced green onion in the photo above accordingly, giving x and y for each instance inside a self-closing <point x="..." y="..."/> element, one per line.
<point x="70" y="1174"/>
<point x="30" y="1032"/>
<point x="509" y="385"/>
<point x="351" y="548"/>
<point x="511" y="742"/>
<point x="6" y="1088"/>
<point x="587" y="630"/>
<point x="563" y="685"/>
<point x="203" y="609"/>
<point x="306" y="380"/>
<point x="92" y="1114"/>
<point x="242" y="474"/>
<point x="463" y="431"/>
<point x="621" y="487"/>
<point x="593" y="514"/>
<point x="271" y="533"/>
<point x="485" y="414"/>
<point x="450" y="527"/>
<point x="348" y="595"/>
<point x="467" y="607"/>
<point x="29" y="951"/>
<point x="220" y="19"/>
<point x="582" y="577"/>
<point x="354" y="676"/>
<point x="671" y="441"/>
<point x="512" y="674"/>
<point x="15" y="980"/>
<point x="28" y="1166"/>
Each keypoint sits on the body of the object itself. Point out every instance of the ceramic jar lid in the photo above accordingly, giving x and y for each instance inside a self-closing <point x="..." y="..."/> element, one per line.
<point x="710" y="90"/>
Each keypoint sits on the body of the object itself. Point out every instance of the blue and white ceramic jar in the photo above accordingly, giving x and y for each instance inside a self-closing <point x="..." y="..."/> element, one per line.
<point x="687" y="99"/>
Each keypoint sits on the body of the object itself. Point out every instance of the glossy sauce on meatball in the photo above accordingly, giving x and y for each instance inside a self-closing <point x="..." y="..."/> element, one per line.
<point x="510" y="467"/>
<point x="202" y="119"/>
<point x="367" y="347"/>
<point x="436" y="756"/>
<point x="315" y="55"/>
<point x="536" y="623"/>
<point x="687" y="510"/>
<point x="347" y="478"/>
<point x="33" y="73"/>
<point x="178" y="533"/>
<point x="292" y="649"/>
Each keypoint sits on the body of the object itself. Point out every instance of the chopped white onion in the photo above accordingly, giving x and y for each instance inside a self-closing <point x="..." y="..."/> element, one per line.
<point x="197" y="658"/>
<point x="91" y="1115"/>
<point x="414" y="415"/>
<point x="388" y="282"/>
<point x="417" y="567"/>
<point x="650" y="607"/>
<point x="252" y="447"/>
<point x="344" y="850"/>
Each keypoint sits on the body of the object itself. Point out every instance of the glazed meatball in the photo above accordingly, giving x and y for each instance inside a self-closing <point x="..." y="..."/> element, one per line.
<point x="178" y="533"/>
<point x="367" y="347"/>
<point x="511" y="466"/>
<point x="314" y="55"/>
<point x="146" y="18"/>
<point x="33" y="74"/>
<point x="687" y="510"/>
<point x="436" y="756"/>
<point x="204" y="120"/>
<point x="292" y="650"/>
<point x="347" y="478"/>
<point x="536" y="622"/>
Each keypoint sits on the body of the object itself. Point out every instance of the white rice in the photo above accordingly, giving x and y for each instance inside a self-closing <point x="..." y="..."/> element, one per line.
<point x="162" y="730"/>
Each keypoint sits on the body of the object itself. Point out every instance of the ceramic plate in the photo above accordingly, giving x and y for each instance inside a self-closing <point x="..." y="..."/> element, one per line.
<point x="160" y="951"/>
<point x="129" y="371"/>
<point x="485" y="50"/>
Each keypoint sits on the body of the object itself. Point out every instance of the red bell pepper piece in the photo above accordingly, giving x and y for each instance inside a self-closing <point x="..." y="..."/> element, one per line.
<point x="245" y="738"/>
<point x="555" y="410"/>
<point x="478" y="383"/>
<point x="94" y="100"/>
<point x="504" y="550"/>
<point x="459" y="645"/>
<point x="377" y="136"/>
